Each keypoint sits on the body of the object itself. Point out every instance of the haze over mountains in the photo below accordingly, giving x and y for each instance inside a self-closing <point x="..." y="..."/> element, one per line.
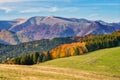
<point x="46" y="27"/>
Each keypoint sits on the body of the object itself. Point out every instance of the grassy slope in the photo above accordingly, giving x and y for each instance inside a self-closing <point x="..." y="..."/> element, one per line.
<point x="104" y="61"/>
<point x="99" y="65"/>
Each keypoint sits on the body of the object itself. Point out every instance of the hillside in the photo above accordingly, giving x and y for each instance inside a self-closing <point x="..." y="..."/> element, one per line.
<point x="98" y="65"/>
<point x="10" y="51"/>
<point x="8" y="37"/>
<point x="104" y="61"/>
<point x="83" y="46"/>
<point x="47" y="27"/>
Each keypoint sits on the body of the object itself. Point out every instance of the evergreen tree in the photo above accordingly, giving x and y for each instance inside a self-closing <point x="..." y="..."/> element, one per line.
<point x="35" y="57"/>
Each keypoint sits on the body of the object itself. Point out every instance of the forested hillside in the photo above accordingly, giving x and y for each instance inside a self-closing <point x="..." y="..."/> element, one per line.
<point x="87" y="44"/>
<point x="10" y="51"/>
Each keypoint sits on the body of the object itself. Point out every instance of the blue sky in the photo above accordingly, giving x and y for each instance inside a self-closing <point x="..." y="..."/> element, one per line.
<point x="106" y="10"/>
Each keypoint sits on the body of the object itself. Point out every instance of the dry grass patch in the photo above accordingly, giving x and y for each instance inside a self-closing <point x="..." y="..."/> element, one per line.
<point x="36" y="72"/>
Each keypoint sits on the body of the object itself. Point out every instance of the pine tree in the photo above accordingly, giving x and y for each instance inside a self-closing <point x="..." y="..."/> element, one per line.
<point x="35" y="57"/>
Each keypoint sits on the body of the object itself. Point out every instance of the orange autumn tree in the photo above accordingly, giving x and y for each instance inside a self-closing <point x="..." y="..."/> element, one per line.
<point x="65" y="50"/>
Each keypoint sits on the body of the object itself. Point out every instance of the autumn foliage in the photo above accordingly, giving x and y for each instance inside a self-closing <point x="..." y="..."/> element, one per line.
<point x="66" y="50"/>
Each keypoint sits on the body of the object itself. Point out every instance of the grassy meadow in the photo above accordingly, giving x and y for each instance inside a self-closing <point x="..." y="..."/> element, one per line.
<point x="98" y="65"/>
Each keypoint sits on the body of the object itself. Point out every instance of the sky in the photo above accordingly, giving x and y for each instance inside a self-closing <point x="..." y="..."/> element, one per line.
<point x="106" y="10"/>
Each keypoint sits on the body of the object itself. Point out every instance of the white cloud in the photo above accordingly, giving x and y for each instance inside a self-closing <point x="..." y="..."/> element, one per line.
<point x="6" y="9"/>
<point x="53" y="9"/>
<point x="30" y="10"/>
<point x="35" y="10"/>
<point x="50" y="9"/>
<point x="10" y="5"/>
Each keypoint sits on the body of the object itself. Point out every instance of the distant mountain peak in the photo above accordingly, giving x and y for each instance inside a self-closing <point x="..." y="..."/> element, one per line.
<point x="46" y="27"/>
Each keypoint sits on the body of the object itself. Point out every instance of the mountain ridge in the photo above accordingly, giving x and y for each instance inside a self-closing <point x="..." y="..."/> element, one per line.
<point x="47" y="27"/>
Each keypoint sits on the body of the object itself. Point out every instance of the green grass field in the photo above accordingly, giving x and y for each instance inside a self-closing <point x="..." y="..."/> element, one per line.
<point x="104" y="61"/>
<point x="98" y="65"/>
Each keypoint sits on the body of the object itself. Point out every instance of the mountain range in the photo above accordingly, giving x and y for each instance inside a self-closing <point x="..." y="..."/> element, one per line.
<point x="46" y="27"/>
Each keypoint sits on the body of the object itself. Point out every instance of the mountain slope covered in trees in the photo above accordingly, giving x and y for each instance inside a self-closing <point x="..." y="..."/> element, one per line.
<point x="10" y="51"/>
<point x="89" y="44"/>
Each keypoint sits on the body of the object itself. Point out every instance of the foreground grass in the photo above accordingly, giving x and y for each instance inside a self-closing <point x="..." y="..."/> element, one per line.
<point x="98" y="65"/>
<point x="106" y="61"/>
<point x="16" y="72"/>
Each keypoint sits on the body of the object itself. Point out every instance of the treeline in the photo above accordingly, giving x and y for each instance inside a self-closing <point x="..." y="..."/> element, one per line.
<point x="88" y="44"/>
<point x="103" y="41"/>
<point x="8" y="52"/>
<point x="30" y="59"/>
<point x="64" y="50"/>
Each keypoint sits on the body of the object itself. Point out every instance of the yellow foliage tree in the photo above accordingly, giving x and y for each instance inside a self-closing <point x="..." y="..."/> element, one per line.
<point x="66" y="50"/>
